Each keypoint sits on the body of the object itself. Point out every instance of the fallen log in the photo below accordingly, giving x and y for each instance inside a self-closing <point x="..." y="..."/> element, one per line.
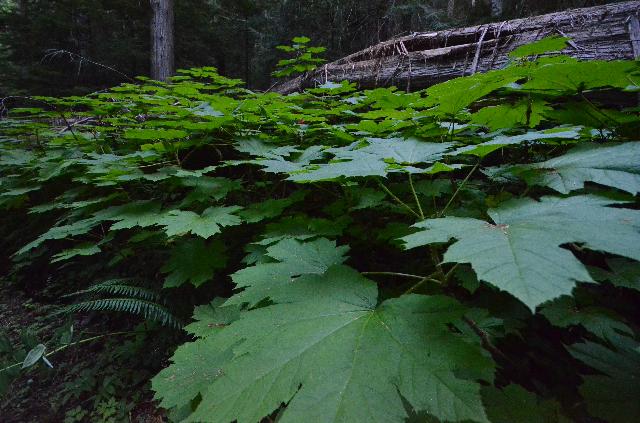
<point x="420" y="60"/>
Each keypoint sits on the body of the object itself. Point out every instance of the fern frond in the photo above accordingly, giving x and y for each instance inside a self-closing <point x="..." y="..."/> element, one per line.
<point x="147" y="309"/>
<point x="119" y="287"/>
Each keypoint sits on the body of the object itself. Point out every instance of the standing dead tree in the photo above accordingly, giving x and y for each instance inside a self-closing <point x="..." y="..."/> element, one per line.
<point x="420" y="60"/>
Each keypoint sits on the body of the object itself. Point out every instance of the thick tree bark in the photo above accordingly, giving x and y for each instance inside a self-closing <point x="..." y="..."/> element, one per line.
<point x="22" y="7"/>
<point x="496" y="8"/>
<point x="423" y="59"/>
<point x="162" y="56"/>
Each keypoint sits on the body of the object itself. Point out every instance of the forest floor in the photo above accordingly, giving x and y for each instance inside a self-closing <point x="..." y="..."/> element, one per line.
<point x="92" y="382"/>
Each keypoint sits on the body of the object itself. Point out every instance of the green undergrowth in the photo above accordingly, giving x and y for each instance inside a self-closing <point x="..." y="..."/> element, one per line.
<point x="464" y="253"/>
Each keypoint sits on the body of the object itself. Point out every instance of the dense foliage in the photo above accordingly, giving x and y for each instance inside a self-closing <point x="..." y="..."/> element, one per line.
<point x="464" y="253"/>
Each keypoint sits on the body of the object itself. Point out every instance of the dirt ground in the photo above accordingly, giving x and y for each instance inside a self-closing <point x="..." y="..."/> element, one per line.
<point x="86" y="382"/>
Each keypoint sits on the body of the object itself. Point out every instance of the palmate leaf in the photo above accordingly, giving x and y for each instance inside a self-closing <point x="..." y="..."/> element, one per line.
<point x="347" y="169"/>
<point x="276" y="159"/>
<point x="302" y="227"/>
<point x="616" y="166"/>
<point x="373" y="157"/>
<point x="332" y="356"/>
<point x="79" y="227"/>
<point x="16" y="157"/>
<point x="546" y="45"/>
<point x="212" y="317"/>
<point x="377" y="157"/>
<point x="398" y="150"/>
<point x="520" y="251"/>
<point x="82" y="250"/>
<point x="612" y="395"/>
<point x="499" y="141"/>
<point x="514" y="404"/>
<point x="259" y="148"/>
<point x="196" y="366"/>
<point x="564" y="312"/>
<point x="294" y="258"/>
<point x="176" y="222"/>
<point x="624" y="273"/>
<point x="364" y="198"/>
<point x="560" y="75"/>
<point x="205" y="188"/>
<point x="138" y="214"/>
<point x="194" y="261"/>
<point x="154" y="134"/>
<point x="270" y="208"/>
<point x="524" y="113"/>
<point x="456" y="94"/>
<point x="180" y="222"/>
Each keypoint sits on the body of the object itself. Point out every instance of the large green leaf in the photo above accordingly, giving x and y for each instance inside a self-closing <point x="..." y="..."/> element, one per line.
<point x="259" y="148"/>
<point x="520" y="251"/>
<point x="137" y="214"/>
<point x="293" y="258"/>
<point x="560" y="75"/>
<point x="205" y="225"/>
<point x="565" y="312"/>
<point x="82" y="250"/>
<point x="194" y="261"/>
<point x="514" y="404"/>
<point x="624" y="273"/>
<point x="498" y="141"/>
<point x="617" y="166"/>
<point x="546" y="45"/>
<point x="346" y="169"/>
<point x="332" y="355"/>
<point x="524" y="113"/>
<point x="270" y="208"/>
<point x="613" y="394"/>
<point x="154" y="134"/>
<point x="377" y="157"/>
<point x="205" y="188"/>
<point x="79" y="227"/>
<point x="456" y="94"/>
<point x="397" y="150"/>
<point x="196" y="365"/>
<point x="212" y="317"/>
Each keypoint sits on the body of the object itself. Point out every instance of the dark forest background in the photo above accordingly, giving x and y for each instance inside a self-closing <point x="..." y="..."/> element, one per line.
<point x="53" y="47"/>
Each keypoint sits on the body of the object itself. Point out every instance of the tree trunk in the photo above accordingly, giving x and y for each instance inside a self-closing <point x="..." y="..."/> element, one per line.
<point x="496" y="8"/>
<point x="451" y="8"/>
<point x="162" y="56"/>
<point x="423" y="59"/>
<point x="22" y="7"/>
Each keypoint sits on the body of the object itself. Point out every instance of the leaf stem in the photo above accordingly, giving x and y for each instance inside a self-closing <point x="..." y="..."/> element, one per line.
<point x="437" y="264"/>
<point x="326" y="190"/>
<point x="597" y="110"/>
<point x="398" y="200"/>
<point x="450" y="272"/>
<point x="415" y="196"/>
<point x="402" y="275"/>
<point x="455" y="194"/>
<point x="422" y="282"/>
<point x="484" y="338"/>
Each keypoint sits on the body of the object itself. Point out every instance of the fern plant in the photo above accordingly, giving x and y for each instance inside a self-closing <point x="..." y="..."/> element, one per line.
<point x="131" y="299"/>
